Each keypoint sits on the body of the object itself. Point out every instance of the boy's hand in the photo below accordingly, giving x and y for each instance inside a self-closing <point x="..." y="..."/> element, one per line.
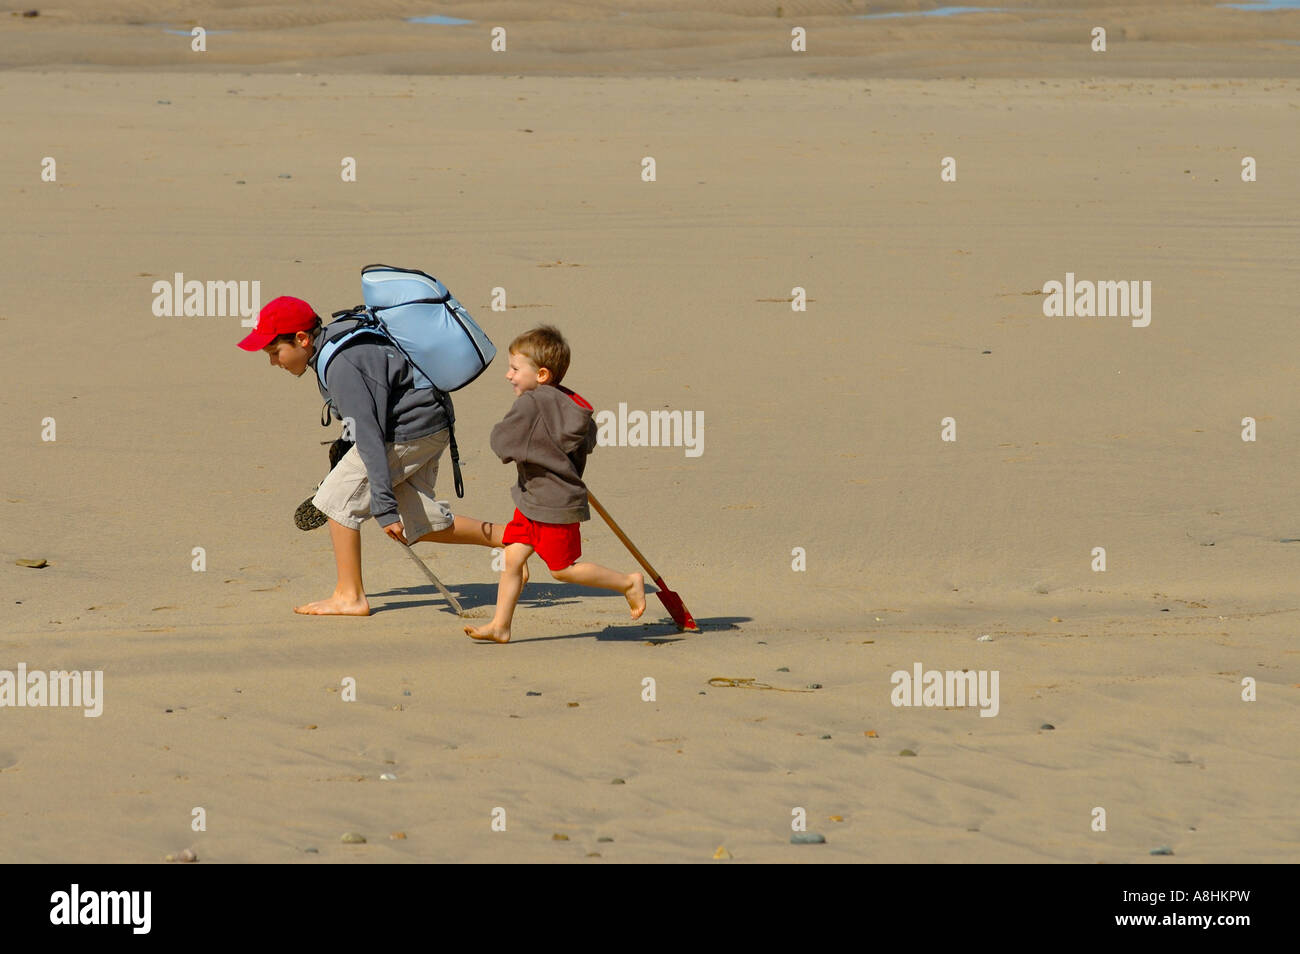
<point x="397" y="532"/>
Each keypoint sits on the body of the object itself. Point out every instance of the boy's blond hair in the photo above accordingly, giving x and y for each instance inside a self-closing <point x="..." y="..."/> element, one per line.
<point x="546" y="348"/>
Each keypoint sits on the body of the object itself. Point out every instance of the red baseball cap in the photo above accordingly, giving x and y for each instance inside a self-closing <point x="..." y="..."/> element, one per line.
<point x="283" y="316"/>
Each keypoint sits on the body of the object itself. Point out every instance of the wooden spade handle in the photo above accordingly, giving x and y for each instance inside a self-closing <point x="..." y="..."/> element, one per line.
<point x="618" y="532"/>
<point x="415" y="557"/>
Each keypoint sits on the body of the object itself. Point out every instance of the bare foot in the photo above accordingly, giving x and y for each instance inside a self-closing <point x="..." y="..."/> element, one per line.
<point x="636" y="595"/>
<point x="335" y="606"/>
<point x="488" y="632"/>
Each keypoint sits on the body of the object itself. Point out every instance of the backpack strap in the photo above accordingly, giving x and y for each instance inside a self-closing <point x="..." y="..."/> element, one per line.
<point x="365" y="326"/>
<point x="444" y="402"/>
<point x="455" y="461"/>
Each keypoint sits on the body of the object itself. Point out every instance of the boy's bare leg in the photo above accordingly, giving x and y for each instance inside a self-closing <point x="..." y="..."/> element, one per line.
<point x="469" y="530"/>
<point x="349" y="597"/>
<point x="512" y="583"/>
<point x="631" y="585"/>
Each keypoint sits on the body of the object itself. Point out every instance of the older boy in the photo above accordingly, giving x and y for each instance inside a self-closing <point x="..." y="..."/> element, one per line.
<point x="548" y="433"/>
<point x="399" y="431"/>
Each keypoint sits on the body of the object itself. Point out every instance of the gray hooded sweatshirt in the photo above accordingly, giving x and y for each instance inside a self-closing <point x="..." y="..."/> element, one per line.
<point x="373" y="383"/>
<point x="548" y="433"/>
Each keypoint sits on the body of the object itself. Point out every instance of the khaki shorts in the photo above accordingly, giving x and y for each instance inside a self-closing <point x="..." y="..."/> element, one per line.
<point x="413" y="465"/>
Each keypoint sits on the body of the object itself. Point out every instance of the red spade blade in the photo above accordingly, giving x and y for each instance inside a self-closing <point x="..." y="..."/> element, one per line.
<point x="676" y="608"/>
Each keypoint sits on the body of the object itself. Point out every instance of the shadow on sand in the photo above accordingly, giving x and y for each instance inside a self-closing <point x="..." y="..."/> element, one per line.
<point x="479" y="599"/>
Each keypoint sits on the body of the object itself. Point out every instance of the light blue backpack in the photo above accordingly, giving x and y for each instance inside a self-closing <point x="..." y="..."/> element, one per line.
<point x="416" y="313"/>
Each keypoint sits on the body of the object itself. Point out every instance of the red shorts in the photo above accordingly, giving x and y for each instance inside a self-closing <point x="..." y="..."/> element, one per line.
<point x="559" y="544"/>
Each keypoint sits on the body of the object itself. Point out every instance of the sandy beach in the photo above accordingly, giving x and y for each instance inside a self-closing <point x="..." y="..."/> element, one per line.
<point x="826" y="534"/>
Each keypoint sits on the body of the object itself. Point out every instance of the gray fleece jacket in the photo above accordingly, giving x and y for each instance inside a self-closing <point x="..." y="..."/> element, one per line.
<point x="548" y="433"/>
<point x="373" y="383"/>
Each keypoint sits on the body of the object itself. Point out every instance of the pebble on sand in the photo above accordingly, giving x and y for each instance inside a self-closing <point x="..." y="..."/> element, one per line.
<point x="783" y="669"/>
<point x="572" y="705"/>
<point x="814" y="685"/>
<point x="1047" y="726"/>
<point x="1162" y="850"/>
<point x="722" y="854"/>
<point x="986" y="638"/>
<point x="618" y="781"/>
<point x="397" y="836"/>
<point x="352" y="838"/>
<point x="837" y="818"/>
<point x="604" y="838"/>
<point x="531" y="693"/>
<point x="558" y="837"/>
<point x="184" y="855"/>
<point x="807" y="838"/>
<point x="34" y="564"/>
<point x="872" y="734"/>
<point x="388" y="777"/>
<point x="825" y="736"/>
<point x="907" y="752"/>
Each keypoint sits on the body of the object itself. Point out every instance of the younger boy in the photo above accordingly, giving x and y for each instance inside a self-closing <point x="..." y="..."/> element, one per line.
<point x="548" y="433"/>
